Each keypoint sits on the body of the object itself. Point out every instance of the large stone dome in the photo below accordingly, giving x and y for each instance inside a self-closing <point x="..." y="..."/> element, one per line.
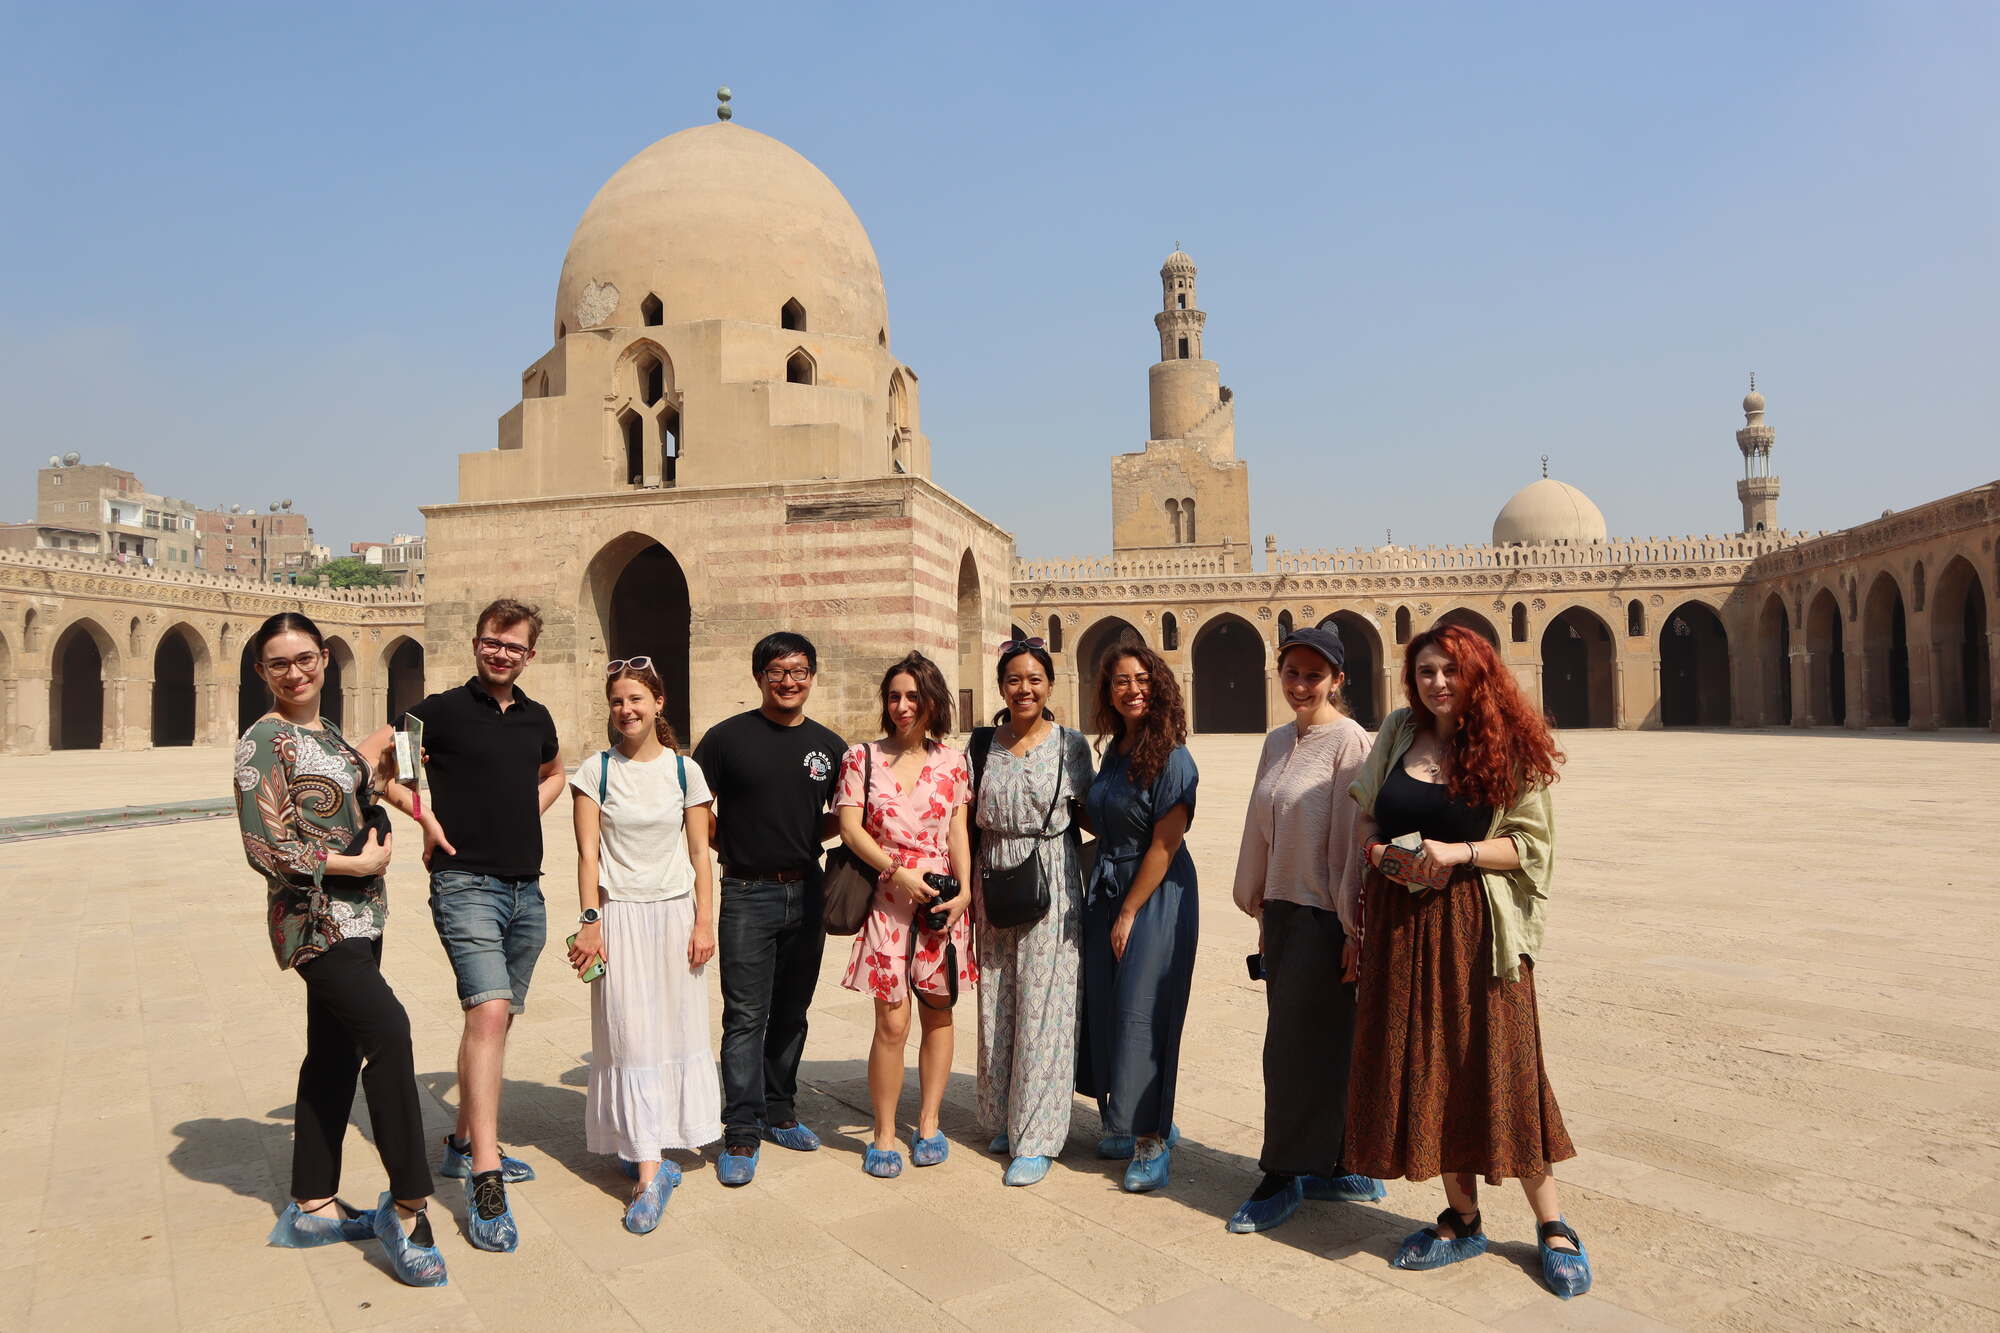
<point x="721" y="222"/>
<point x="1548" y="511"/>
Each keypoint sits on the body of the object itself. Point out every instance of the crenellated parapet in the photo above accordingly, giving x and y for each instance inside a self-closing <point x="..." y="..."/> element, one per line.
<point x="62" y="572"/>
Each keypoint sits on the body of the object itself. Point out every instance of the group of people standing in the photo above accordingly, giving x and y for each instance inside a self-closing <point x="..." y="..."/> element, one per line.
<point x="976" y="877"/>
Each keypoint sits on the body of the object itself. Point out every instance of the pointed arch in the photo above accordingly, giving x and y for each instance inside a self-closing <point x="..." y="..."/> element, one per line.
<point x="1517" y="624"/>
<point x="792" y="315"/>
<point x="1093" y="647"/>
<point x="1885" y="647"/>
<point x="1635" y="619"/>
<point x="971" y="616"/>
<point x="337" y="692"/>
<point x="639" y="591"/>
<point x="1402" y="624"/>
<point x="1694" y="668"/>
<point x="652" y="311"/>
<point x="1174" y="520"/>
<point x="1284" y="625"/>
<point x="403" y="669"/>
<point x="1467" y="618"/>
<point x="1577" y="670"/>
<point x="1961" y="652"/>
<point x="800" y="368"/>
<point x="1774" y="654"/>
<point x="180" y="672"/>
<point x="1229" y="662"/>
<point x="1187" y="519"/>
<point x="1826" y="649"/>
<point x="7" y="673"/>
<point x="1053" y="634"/>
<point x="82" y="659"/>
<point x="1362" y="689"/>
<point x="1170" y="633"/>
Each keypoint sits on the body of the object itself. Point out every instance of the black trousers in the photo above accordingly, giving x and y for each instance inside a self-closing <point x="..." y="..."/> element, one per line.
<point x="770" y="940"/>
<point x="1308" y="1040"/>
<point x="354" y="1022"/>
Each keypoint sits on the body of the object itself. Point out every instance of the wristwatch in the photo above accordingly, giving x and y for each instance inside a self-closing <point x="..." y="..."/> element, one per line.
<point x="591" y="916"/>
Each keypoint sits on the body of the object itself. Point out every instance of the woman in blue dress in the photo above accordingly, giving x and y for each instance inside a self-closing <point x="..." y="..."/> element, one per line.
<point x="1140" y="913"/>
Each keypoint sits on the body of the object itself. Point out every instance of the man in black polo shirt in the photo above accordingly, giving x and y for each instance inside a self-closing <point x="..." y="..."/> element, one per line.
<point x="490" y="756"/>
<point x="773" y="771"/>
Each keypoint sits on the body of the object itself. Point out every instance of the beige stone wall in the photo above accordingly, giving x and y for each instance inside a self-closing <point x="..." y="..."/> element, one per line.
<point x="128" y="614"/>
<point x="1175" y="471"/>
<point x="866" y="569"/>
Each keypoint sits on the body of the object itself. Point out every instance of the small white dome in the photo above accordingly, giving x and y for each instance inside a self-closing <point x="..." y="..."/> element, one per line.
<point x="1548" y="511"/>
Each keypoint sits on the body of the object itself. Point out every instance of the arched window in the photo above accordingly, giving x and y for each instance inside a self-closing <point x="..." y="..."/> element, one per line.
<point x="1174" y="519"/>
<point x="1187" y="521"/>
<point x="1180" y="301"/>
<point x="1170" y="632"/>
<point x="1054" y="636"/>
<point x="1520" y="627"/>
<point x="793" y="316"/>
<point x="1184" y="349"/>
<point x="799" y="368"/>
<point x="1402" y="624"/>
<point x="651" y="312"/>
<point x="1284" y="625"/>
<point x="652" y="380"/>
<point x="633" y="430"/>
<point x="1635" y="619"/>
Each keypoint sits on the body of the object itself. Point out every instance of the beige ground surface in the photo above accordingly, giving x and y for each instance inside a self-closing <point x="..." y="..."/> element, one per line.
<point x="1773" y="1022"/>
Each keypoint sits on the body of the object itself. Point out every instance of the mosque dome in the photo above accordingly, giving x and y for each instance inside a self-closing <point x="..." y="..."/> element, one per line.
<point x="1548" y="511"/>
<point x="1753" y="402"/>
<point x="1180" y="261"/>
<point x="721" y="222"/>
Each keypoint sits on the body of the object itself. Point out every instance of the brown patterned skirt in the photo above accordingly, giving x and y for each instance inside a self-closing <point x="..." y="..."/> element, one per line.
<point x="1447" y="1073"/>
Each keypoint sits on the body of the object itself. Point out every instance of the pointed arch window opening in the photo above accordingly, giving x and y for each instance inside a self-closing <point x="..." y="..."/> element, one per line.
<point x="1170" y="632"/>
<point x="799" y="368"/>
<point x="1187" y="521"/>
<point x="632" y="430"/>
<point x="1174" y="519"/>
<point x="652" y="380"/>
<point x="1054" y="634"/>
<point x="652" y="312"/>
<point x="792" y="316"/>
<point x="1635" y="619"/>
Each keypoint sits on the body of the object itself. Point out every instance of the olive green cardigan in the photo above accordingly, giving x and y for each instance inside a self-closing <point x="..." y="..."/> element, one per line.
<point x="1515" y="899"/>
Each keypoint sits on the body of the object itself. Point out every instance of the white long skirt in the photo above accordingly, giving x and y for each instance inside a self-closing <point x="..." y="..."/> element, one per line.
<point x="653" y="1085"/>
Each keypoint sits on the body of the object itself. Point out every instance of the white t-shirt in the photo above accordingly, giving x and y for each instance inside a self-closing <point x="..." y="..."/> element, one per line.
<point x="642" y="852"/>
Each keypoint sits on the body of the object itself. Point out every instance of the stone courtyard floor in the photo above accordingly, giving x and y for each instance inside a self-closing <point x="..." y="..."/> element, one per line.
<point x="1772" y="1017"/>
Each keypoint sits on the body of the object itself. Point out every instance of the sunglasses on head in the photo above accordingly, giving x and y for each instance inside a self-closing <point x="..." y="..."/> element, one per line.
<point x="636" y="663"/>
<point x="1016" y="645"/>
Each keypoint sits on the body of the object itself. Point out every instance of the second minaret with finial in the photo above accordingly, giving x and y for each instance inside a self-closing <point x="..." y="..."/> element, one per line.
<point x="1759" y="488"/>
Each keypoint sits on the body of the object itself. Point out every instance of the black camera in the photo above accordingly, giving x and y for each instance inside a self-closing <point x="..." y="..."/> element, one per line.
<point x="947" y="889"/>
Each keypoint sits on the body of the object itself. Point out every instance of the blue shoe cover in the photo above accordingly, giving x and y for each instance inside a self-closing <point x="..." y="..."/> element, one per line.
<point x="643" y="1213"/>
<point x="414" y="1265"/>
<point x="1026" y="1170"/>
<point x="1264" y="1214"/>
<point x="1149" y="1169"/>
<point x="1119" y="1147"/>
<point x="499" y="1235"/>
<point x="731" y="1169"/>
<point x="458" y="1165"/>
<point x="1566" y="1274"/>
<point x="630" y="1169"/>
<point x="999" y="1145"/>
<point x="885" y="1163"/>
<point x="1345" y="1189"/>
<point x="795" y="1136"/>
<point x="930" y="1151"/>
<point x="300" y="1230"/>
<point x="1427" y="1249"/>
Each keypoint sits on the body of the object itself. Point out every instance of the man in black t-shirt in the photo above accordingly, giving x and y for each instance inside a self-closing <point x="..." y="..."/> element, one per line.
<point x="490" y="757"/>
<point x="773" y="772"/>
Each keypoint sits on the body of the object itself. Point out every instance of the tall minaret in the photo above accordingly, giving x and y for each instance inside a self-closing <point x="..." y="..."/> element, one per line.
<point x="1759" y="488"/>
<point x="1185" y="388"/>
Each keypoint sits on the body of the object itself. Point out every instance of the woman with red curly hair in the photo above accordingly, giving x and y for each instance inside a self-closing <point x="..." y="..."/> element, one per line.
<point x="1140" y="915"/>
<point x="1447" y="1077"/>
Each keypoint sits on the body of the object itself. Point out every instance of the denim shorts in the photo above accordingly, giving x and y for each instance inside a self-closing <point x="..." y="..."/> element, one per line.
<point x="493" y="930"/>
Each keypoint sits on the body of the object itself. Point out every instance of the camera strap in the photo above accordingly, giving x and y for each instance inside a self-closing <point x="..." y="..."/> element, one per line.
<point x="910" y="963"/>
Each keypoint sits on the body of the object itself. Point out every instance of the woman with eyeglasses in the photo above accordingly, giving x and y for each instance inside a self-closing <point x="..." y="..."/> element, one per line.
<point x="1030" y="777"/>
<point x="647" y="897"/>
<point x="307" y="805"/>
<point x="902" y="804"/>
<point x="1141" y="917"/>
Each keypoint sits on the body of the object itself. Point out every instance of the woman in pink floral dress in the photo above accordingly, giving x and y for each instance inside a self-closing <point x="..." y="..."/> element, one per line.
<point x="902" y="804"/>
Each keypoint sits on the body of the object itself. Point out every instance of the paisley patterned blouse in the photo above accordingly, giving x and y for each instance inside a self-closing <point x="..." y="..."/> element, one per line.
<point x="298" y="800"/>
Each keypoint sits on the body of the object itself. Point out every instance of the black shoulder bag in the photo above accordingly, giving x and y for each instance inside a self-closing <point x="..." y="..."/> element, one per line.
<point x="848" y="885"/>
<point x="1018" y="895"/>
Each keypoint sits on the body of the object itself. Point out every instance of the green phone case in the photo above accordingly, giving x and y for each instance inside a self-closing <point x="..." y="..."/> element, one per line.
<point x="595" y="970"/>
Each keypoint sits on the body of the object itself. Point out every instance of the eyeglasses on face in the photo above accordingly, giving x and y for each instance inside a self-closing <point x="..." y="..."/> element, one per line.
<point x="1138" y="682"/>
<point x="779" y="675"/>
<point x="1016" y="645"/>
<point x="486" y="643"/>
<point x="636" y="663"/>
<point x="282" y="667"/>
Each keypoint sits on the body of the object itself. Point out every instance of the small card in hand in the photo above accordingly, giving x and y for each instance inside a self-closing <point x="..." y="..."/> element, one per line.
<point x="1407" y="865"/>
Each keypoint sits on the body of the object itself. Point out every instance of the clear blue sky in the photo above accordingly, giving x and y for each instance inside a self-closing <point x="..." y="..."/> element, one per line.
<point x="256" y="250"/>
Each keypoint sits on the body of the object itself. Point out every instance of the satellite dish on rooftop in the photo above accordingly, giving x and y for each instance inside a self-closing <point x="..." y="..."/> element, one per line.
<point x="72" y="459"/>
<point x="236" y="509"/>
<point x="286" y="504"/>
<point x="55" y="460"/>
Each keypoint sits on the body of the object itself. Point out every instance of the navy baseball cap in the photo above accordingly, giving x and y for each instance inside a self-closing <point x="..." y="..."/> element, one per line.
<point x="1324" y="640"/>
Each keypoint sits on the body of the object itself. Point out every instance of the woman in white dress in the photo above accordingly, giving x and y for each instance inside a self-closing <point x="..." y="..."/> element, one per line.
<point x="648" y="913"/>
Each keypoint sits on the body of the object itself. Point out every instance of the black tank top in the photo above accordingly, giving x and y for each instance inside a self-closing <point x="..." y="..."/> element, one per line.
<point x="1411" y="805"/>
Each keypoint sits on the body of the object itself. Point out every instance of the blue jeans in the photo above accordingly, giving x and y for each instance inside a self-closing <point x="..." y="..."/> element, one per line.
<point x="770" y="939"/>
<point x="493" y="930"/>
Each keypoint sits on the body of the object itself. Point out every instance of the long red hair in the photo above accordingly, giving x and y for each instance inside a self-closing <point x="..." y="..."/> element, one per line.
<point x="1502" y="746"/>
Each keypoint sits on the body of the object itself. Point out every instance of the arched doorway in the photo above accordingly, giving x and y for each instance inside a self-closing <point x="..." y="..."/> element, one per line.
<point x="6" y="696"/>
<point x="1885" y="639"/>
<point x="1826" y="678"/>
<point x="1363" y="648"/>
<point x="175" y="691"/>
<point x="403" y="663"/>
<point x="1774" y="647"/>
<point x="253" y="699"/>
<point x="333" y="688"/>
<point x="643" y="610"/>
<point x="1092" y="647"/>
<point x="1228" y="677"/>
<point x="76" y="688"/>
<point x="1576" y="671"/>
<point x="970" y="654"/>
<point x="1960" y="649"/>
<point x="1694" y="668"/>
<point x="1472" y="620"/>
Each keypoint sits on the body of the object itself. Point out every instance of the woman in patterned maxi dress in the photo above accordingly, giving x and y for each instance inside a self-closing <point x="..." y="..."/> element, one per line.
<point x="1034" y="776"/>
<point x="902" y="804"/>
